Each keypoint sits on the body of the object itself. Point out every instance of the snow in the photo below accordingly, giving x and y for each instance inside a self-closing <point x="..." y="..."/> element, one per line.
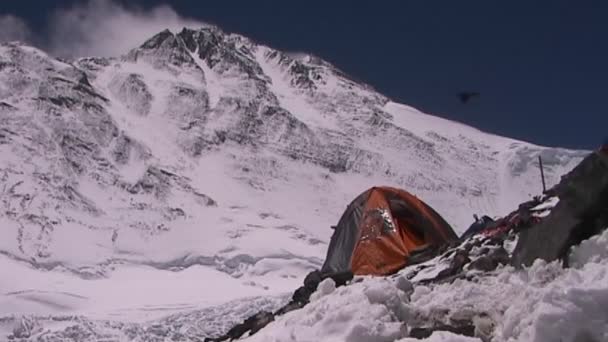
<point x="213" y="83"/>
<point x="544" y="209"/>
<point x="105" y="252"/>
<point x="547" y="204"/>
<point x="442" y="336"/>
<point x="287" y="96"/>
<point x="542" y="303"/>
<point x="190" y="325"/>
<point x="516" y="176"/>
<point x="422" y="123"/>
<point x="356" y="313"/>
<point x="128" y="292"/>
<point x="150" y="130"/>
<point x="592" y="250"/>
<point x="133" y="171"/>
<point x="325" y="287"/>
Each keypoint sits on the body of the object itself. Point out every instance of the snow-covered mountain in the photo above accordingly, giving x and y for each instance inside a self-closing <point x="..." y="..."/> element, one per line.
<point x="202" y="167"/>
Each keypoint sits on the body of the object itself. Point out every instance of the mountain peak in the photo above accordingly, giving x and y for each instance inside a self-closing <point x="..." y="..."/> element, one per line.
<point x="165" y="49"/>
<point x="157" y="40"/>
<point x="196" y="143"/>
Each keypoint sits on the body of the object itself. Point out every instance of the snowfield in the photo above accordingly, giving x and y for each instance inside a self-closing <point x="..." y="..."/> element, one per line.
<point x="542" y="303"/>
<point x="168" y="193"/>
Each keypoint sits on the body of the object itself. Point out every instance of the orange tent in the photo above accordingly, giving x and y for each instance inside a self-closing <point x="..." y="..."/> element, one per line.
<point x="379" y="230"/>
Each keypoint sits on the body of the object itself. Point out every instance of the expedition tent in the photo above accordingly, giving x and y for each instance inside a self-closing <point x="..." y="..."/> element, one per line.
<point x="380" y="229"/>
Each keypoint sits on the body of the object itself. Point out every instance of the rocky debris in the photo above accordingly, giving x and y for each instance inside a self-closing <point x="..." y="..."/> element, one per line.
<point x="251" y="325"/>
<point x="459" y="260"/>
<point x="465" y="322"/>
<point x="421" y="333"/>
<point x="25" y="327"/>
<point x="490" y="260"/>
<point x="299" y="299"/>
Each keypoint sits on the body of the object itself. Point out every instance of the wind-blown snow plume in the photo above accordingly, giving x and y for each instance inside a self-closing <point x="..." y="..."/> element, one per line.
<point x="13" y="28"/>
<point x="106" y="28"/>
<point x="95" y="28"/>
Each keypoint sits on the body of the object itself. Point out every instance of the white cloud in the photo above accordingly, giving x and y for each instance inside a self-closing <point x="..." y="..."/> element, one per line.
<point x="106" y="28"/>
<point x="95" y="28"/>
<point x="13" y="28"/>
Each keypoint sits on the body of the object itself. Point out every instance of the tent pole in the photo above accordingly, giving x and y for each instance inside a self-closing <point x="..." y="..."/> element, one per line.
<point x="542" y="173"/>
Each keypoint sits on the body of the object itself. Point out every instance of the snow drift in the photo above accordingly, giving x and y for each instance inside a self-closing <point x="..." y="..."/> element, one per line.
<point x="543" y="302"/>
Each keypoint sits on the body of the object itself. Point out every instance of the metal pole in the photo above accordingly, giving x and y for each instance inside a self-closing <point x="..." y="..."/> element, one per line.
<point x="542" y="173"/>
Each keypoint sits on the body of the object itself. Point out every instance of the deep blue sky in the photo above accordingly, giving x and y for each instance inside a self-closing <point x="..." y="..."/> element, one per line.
<point x="541" y="66"/>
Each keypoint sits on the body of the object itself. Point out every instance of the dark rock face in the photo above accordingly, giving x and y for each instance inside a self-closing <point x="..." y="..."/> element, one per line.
<point x="581" y="212"/>
<point x="122" y="150"/>
<point x="164" y="50"/>
<point x="133" y="92"/>
<point x="157" y="41"/>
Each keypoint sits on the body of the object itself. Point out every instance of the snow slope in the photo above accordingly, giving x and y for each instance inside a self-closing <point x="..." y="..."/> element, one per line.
<point x="543" y="303"/>
<point x="203" y="160"/>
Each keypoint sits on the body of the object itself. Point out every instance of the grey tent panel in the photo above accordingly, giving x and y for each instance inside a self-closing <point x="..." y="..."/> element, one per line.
<point x="344" y="238"/>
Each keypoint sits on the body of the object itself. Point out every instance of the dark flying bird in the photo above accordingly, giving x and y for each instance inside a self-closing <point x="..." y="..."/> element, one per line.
<point x="465" y="96"/>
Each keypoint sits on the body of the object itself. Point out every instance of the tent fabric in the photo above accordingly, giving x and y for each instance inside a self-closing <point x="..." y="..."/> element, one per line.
<point x="345" y="236"/>
<point x="379" y="230"/>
